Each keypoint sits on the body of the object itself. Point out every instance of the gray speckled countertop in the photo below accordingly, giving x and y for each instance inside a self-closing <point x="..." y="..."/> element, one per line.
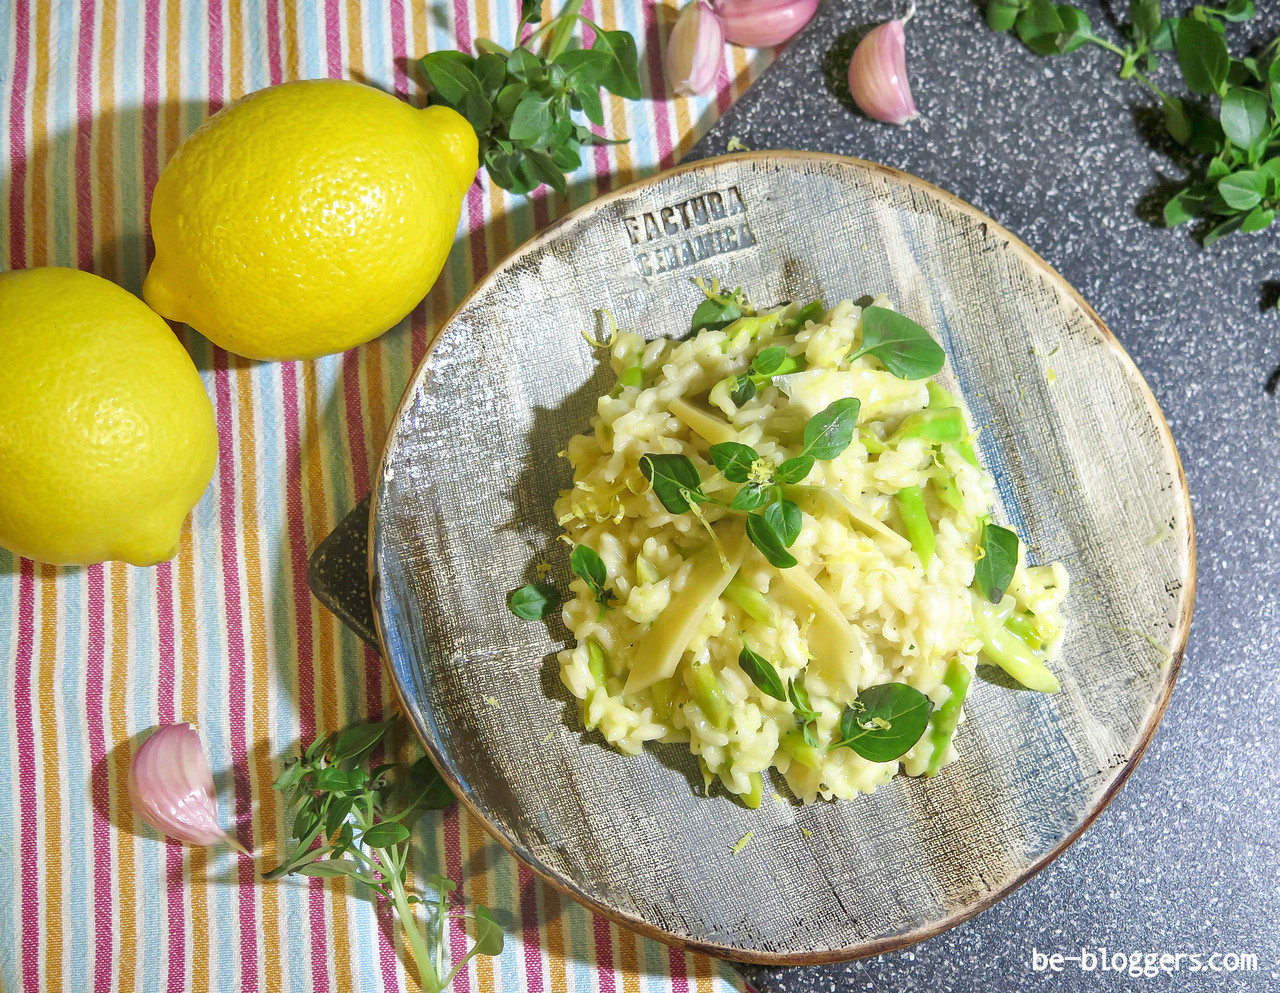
<point x="1071" y="160"/>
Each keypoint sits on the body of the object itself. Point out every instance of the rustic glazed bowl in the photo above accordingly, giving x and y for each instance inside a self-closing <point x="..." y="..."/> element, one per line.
<point x="1086" y="471"/>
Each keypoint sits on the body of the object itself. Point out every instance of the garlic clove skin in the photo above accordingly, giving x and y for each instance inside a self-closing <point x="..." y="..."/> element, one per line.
<point x="171" y="787"/>
<point x="878" y="75"/>
<point x="695" y="50"/>
<point x="763" y="23"/>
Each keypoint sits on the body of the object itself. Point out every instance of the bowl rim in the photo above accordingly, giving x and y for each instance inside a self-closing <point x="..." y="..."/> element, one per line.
<point x="959" y="916"/>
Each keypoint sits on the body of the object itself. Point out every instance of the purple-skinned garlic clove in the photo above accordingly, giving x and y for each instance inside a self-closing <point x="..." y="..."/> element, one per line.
<point x="171" y="787"/>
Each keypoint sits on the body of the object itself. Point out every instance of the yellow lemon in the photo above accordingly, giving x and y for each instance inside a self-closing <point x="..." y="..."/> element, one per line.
<point x="307" y="218"/>
<point x="107" y="436"/>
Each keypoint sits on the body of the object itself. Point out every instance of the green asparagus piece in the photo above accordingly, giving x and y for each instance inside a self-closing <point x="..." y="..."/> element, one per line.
<point x="1024" y="628"/>
<point x="944" y="485"/>
<point x="709" y="694"/>
<point x="751" y="600"/>
<point x="915" y="522"/>
<point x="943" y="426"/>
<point x="793" y="744"/>
<point x="751" y="800"/>
<point x="596" y="659"/>
<point x="1010" y="652"/>
<point x="947" y="716"/>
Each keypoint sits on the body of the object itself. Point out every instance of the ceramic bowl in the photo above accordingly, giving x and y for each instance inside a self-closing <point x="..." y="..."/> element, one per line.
<point x="1086" y="471"/>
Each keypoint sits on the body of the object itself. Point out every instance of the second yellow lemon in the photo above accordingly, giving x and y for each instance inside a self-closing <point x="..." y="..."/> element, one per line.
<point x="307" y="218"/>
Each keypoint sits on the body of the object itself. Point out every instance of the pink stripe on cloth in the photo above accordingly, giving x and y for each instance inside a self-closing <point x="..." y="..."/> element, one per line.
<point x="451" y="825"/>
<point x="217" y="95"/>
<point x="679" y="971"/>
<point x="275" y="60"/>
<point x="85" y="126"/>
<point x="236" y="667"/>
<point x="602" y="931"/>
<point x="399" y="47"/>
<point x="99" y="778"/>
<point x="333" y="38"/>
<point x="18" y="136"/>
<point x="28" y="791"/>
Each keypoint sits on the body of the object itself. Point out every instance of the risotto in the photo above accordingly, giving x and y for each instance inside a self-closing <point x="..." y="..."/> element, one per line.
<point x="784" y="552"/>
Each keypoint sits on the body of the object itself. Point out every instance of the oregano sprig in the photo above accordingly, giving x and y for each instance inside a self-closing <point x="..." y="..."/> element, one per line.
<point x="1235" y="184"/>
<point x="677" y="483"/>
<point x="352" y="820"/>
<point x="522" y="101"/>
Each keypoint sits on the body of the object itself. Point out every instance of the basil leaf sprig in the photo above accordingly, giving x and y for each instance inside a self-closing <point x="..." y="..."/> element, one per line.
<point x="589" y="567"/>
<point x="993" y="572"/>
<point x="882" y="724"/>
<point x="903" y="347"/>
<point x="1235" y="184"/>
<point x="522" y="101"/>
<point x="353" y="819"/>
<point x="677" y="483"/>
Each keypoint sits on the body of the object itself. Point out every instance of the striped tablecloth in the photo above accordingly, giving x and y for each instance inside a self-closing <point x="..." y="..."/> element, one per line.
<point x="95" y="96"/>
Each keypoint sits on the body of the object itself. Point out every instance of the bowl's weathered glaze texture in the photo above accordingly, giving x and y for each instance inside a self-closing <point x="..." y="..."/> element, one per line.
<point x="1086" y="472"/>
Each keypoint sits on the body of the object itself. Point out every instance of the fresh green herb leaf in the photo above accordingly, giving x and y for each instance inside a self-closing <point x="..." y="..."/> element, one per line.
<point x="734" y="460"/>
<point x="1202" y="56"/>
<point x="522" y="102"/>
<point x="786" y="520"/>
<point x="744" y="388"/>
<point x="1001" y="14"/>
<point x="451" y="75"/>
<point x="1183" y="206"/>
<point x="589" y="567"/>
<point x="1145" y="16"/>
<point x="622" y="78"/>
<point x="753" y="496"/>
<point x="762" y="673"/>
<point x="1076" y="30"/>
<point x="798" y="695"/>
<point x="674" y="479"/>
<point x="793" y="470"/>
<point x="762" y="534"/>
<point x="534" y="601"/>
<point x="1242" y="190"/>
<point x="829" y="432"/>
<point x="1244" y="116"/>
<point x="884" y="722"/>
<point x="716" y="313"/>
<point x="385" y="834"/>
<point x="769" y="360"/>
<point x="1258" y="219"/>
<point x="489" y="939"/>
<point x="993" y="572"/>
<point x="1230" y="226"/>
<point x="814" y="312"/>
<point x="903" y="347"/>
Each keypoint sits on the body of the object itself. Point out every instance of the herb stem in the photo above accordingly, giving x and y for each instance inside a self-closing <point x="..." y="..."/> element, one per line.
<point x="1125" y="54"/>
<point x="564" y="24"/>
<point x="427" y="973"/>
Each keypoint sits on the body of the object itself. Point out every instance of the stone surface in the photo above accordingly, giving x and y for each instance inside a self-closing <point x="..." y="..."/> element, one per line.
<point x="1071" y="160"/>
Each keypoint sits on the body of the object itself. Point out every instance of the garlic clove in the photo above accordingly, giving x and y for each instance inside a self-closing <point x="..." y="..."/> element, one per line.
<point x="763" y="23"/>
<point x="695" y="50"/>
<point x="171" y="787"/>
<point x="878" y="75"/>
